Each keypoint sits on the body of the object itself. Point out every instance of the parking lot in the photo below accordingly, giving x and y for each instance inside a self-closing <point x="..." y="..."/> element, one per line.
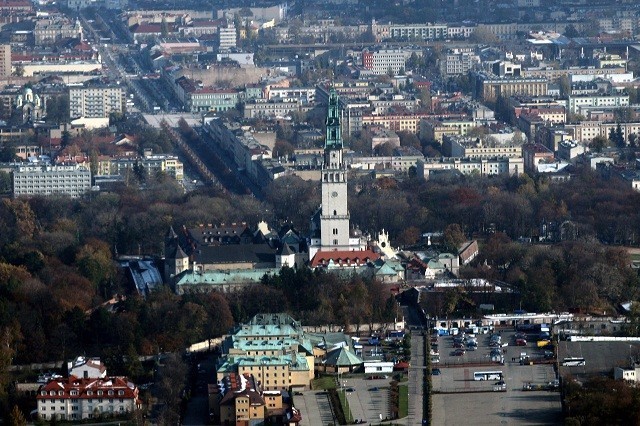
<point x="368" y="400"/>
<point x="488" y="402"/>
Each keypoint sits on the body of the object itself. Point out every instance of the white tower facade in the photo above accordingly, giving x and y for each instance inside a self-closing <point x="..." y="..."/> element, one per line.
<point x="334" y="219"/>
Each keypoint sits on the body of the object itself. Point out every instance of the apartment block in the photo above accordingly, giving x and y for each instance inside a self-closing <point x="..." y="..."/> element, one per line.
<point x="73" y="181"/>
<point x="577" y="104"/>
<point x="419" y="31"/>
<point x="511" y="166"/>
<point x="383" y="61"/>
<point x="5" y="60"/>
<point x="152" y="165"/>
<point x="458" y="62"/>
<point x="96" y="100"/>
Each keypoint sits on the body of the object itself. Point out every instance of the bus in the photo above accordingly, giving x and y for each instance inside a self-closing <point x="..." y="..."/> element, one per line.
<point x="487" y="375"/>
<point x="573" y="362"/>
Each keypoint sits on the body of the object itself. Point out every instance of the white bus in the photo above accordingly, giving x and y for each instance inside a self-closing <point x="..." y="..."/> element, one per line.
<point x="487" y="375"/>
<point x="573" y="362"/>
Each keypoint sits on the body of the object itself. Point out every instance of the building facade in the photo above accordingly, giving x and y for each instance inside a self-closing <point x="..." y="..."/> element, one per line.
<point x="77" y="399"/>
<point x="334" y="219"/>
<point x="96" y="101"/>
<point x="73" y="181"/>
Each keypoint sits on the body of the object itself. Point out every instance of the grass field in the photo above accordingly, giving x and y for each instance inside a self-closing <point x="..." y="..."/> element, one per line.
<point x="324" y="383"/>
<point x="403" y="401"/>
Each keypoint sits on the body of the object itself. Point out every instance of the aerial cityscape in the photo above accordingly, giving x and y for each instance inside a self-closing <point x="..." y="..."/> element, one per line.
<point x="314" y="213"/>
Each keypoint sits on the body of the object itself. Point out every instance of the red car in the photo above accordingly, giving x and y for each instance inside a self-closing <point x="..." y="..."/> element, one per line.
<point x="458" y="352"/>
<point x="521" y="342"/>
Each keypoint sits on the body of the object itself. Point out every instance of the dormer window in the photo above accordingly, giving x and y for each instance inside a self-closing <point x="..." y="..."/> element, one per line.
<point x="89" y="393"/>
<point x="110" y="392"/>
<point x="60" y="393"/>
<point x="120" y="392"/>
<point x="99" y="393"/>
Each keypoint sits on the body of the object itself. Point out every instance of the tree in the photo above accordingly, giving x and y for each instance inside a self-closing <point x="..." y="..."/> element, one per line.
<point x="599" y="143"/>
<point x="570" y="31"/>
<point x="16" y="418"/>
<point x="454" y="237"/>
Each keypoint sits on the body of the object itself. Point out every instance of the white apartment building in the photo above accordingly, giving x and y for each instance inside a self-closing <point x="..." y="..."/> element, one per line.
<point x="227" y="37"/>
<point x="612" y="100"/>
<point x="381" y="61"/>
<point x="419" y="31"/>
<point x="96" y="101"/>
<point x="458" y="62"/>
<point x="73" y="181"/>
<point x="471" y="166"/>
<point x="79" y="398"/>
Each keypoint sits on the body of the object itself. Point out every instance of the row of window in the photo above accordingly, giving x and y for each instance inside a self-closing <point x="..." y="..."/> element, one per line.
<point x="76" y="392"/>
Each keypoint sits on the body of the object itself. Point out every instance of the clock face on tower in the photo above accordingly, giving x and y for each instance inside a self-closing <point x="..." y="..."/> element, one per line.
<point x="334" y="194"/>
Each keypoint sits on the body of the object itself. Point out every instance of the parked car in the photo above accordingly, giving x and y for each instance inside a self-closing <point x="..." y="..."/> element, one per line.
<point x="521" y="342"/>
<point x="435" y="371"/>
<point x="458" y="352"/>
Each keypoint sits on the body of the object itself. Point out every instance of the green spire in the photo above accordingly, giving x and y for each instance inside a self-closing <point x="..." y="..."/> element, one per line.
<point x="333" y="138"/>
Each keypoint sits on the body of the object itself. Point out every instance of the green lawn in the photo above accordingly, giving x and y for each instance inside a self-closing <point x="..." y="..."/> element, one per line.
<point x="345" y="407"/>
<point x="324" y="383"/>
<point x="403" y="403"/>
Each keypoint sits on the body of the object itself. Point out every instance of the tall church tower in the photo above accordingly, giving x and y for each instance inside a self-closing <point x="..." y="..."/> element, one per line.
<point x="334" y="218"/>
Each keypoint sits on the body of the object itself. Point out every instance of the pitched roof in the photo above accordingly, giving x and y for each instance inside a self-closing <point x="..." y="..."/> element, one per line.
<point x="344" y="258"/>
<point x="342" y="357"/>
<point x="286" y="250"/>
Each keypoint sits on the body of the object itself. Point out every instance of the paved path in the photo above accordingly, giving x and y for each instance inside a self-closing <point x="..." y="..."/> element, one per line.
<point x="416" y="375"/>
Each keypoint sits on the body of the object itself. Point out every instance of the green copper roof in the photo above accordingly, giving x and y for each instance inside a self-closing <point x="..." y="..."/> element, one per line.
<point x="342" y="357"/>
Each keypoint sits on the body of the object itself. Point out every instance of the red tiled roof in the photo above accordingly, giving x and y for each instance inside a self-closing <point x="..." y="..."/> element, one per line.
<point x="62" y="388"/>
<point x="344" y="257"/>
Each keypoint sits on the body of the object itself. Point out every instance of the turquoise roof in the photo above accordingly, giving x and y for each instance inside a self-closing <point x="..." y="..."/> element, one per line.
<point x="270" y="331"/>
<point x="342" y="357"/>
<point x="232" y="363"/>
<point x="434" y="264"/>
<point x="265" y="345"/>
<point x="386" y="270"/>
<point x="221" y="277"/>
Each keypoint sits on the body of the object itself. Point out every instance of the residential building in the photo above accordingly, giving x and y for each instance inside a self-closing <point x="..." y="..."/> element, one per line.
<point x="5" y="60"/>
<point x="383" y="61"/>
<point x="395" y="122"/>
<point x="580" y="103"/>
<point x="87" y="368"/>
<point x="490" y="86"/>
<point x="96" y="100"/>
<point x="73" y="181"/>
<point x="227" y="37"/>
<point x="205" y="99"/>
<point x="631" y="374"/>
<point x="458" y="62"/>
<point x="467" y="147"/>
<point x="240" y="400"/>
<point x="76" y="398"/>
<point x="585" y="131"/>
<point x="510" y="166"/>
<point x="382" y="135"/>
<point x="149" y="163"/>
<point x="261" y="108"/>
<point x="418" y="32"/>
<point x="436" y="129"/>
<point x="568" y="150"/>
<point x="52" y="30"/>
<point x="536" y="154"/>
